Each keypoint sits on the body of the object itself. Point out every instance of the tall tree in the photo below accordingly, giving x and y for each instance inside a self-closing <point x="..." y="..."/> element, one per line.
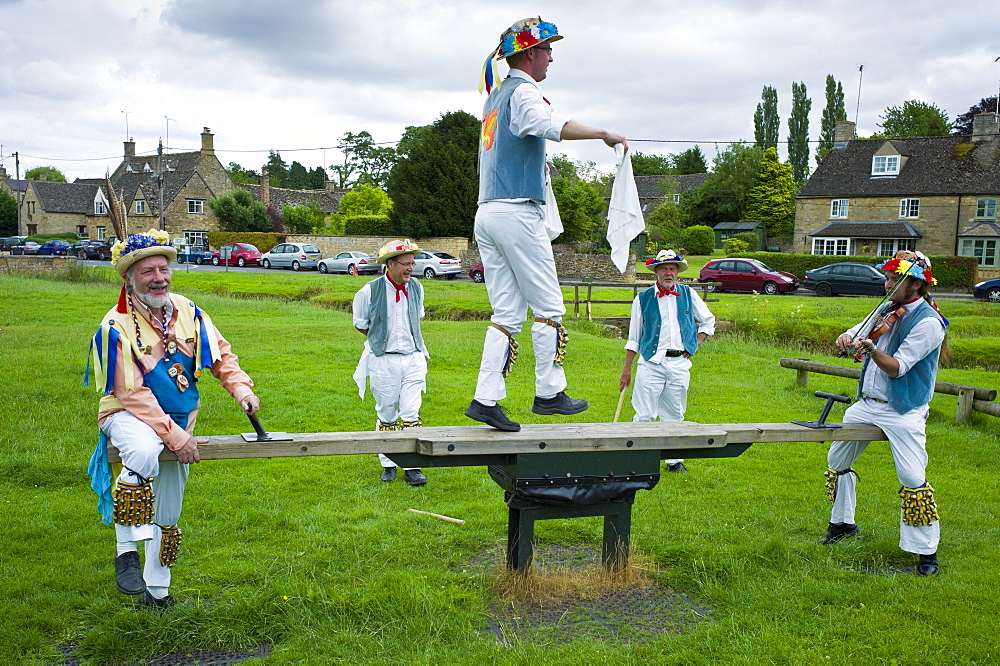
<point x="435" y="187"/>
<point x="317" y="178"/>
<point x="914" y="118"/>
<point x="8" y="214"/>
<point x="365" y="162"/>
<point x="722" y="197"/>
<point x="833" y="113"/>
<point x="277" y="170"/>
<point x="772" y="198"/>
<point x="366" y="200"/>
<point x="963" y="123"/>
<point x="237" y="211"/>
<point x="240" y="175"/>
<point x="691" y="160"/>
<point x="766" y="122"/>
<point x="651" y="165"/>
<point x="798" y="133"/>
<point x="298" y="177"/>
<point x="52" y="174"/>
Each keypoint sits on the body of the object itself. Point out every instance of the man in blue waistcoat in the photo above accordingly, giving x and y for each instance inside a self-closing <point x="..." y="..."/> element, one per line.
<point x="387" y="311"/>
<point x="897" y="383"/>
<point x="669" y="322"/>
<point x="511" y="235"/>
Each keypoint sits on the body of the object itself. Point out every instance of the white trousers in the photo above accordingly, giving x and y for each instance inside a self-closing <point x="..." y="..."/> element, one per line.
<point x="660" y="391"/>
<point x="520" y="273"/>
<point x="907" y="441"/>
<point x="140" y="447"/>
<point x="397" y="382"/>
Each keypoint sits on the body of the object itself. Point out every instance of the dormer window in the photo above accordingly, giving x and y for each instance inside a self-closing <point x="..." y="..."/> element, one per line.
<point x="885" y="165"/>
<point x="140" y="207"/>
<point x="99" y="208"/>
<point x="147" y="169"/>
<point x="128" y="169"/>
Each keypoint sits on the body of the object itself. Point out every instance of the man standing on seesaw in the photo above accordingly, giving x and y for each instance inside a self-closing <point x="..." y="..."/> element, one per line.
<point x="669" y="322"/>
<point x="387" y="311"/>
<point x="510" y="224"/>
<point x="148" y="354"/>
<point x="896" y="385"/>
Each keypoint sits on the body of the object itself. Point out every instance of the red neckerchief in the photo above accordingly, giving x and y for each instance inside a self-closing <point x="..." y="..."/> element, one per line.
<point x="660" y="291"/>
<point x="399" y="287"/>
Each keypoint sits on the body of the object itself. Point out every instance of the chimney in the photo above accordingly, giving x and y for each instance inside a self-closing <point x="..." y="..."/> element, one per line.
<point x="843" y="131"/>
<point x="207" y="142"/>
<point x="984" y="126"/>
<point x="129" y="149"/>
<point x="3" y="174"/>
<point x="265" y="188"/>
<point x="43" y="177"/>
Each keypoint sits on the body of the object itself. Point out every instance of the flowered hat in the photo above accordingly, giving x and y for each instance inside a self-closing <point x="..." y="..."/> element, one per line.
<point x="915" y="264"/>
<point x="668" y="257"/>
<point x="524" y="34"/>
<point x="394" y="248"/>
<point x="139" y="246"/>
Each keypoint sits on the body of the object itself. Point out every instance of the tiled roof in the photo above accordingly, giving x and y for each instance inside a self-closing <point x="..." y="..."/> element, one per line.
<point x="132" y="174"/>
<point x="329" y="201"/>
<point x="938" y="165"/>
<point x="16" y="185"/>
<point x="65" y="197"/>
<point x="982" y="229"/>
<point x="737" y="226"/>
<point x="868" y="230"/>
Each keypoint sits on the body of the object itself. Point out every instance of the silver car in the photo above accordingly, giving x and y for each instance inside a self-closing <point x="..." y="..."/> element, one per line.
<point x="292" y="255"/>
<point x="354" y="263"/>
<point x="431" y="264"/>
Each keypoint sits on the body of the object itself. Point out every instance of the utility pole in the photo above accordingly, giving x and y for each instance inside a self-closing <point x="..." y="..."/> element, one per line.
<point x="861" y="73"/>
<point x="159" y="180"/>
<point x="17" y="190"/>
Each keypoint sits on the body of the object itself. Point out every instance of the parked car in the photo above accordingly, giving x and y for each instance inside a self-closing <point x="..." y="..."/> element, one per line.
<point x="845" y="278"/>
<point x="193" y="254"/>
<point x="27" y="247"/>
<point x="292" y="255"/>
<point x="354" y="262"/>
<point x="91" y="249"/>
<point x="9" y="242"/>
<point x="747" y="275"/>
<point x="988" y="289"/>
<point x="431" y="264"/>
<point x="239" y="254"/>
<point x="476" y="273"/>
<point x="55" y="247"/>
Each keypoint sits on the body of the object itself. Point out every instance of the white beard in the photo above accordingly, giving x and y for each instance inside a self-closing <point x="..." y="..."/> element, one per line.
<point x="154" y="302"/>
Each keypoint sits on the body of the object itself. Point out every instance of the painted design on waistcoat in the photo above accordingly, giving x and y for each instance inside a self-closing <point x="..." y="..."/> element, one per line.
<point x="489" y="129"/>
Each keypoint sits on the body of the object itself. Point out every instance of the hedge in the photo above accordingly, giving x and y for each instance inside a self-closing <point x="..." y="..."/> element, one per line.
<point x="66" y="236"/>
<point x="951" y="272"/>
<point x="368" y="225"/>
<point x="262" y="240"/>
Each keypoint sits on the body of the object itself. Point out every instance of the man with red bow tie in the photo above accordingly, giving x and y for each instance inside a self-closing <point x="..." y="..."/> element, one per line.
<point x="669" y="323"/>
<point x="387" y="311"/>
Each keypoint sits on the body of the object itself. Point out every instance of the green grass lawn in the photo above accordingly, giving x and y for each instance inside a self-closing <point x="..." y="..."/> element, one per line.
<point x="319" y="559"/>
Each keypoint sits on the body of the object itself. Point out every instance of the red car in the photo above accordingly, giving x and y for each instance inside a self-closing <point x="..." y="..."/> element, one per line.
<point x="239" y="254"/>
<point x="747" y="275"/>
<point x="476" y="273"/>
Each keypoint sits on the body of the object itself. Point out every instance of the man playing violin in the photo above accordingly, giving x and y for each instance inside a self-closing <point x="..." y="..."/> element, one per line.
<point x="896" y="385"/>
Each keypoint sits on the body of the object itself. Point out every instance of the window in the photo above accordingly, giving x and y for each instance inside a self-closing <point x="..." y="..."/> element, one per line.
<point x="831" y="246"/>
<point x="890" y="246"/>
<point x="838" y="208"/>
<point x="909" y="208"/>
<point x="102" y="233"/>
<point x="677" y="198"/>
<point x="986" y="207"/>
<point x="196" y="238"/>
<point x="140" y="206"/>
<point x="885" y="165"/>
<point x="983" y="249"/>
<point x="81" y="230"/>
<point x="100" y="208"/>
<point x="196" y="206"/>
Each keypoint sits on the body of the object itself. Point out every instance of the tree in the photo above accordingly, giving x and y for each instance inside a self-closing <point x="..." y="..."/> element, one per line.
<point x="766" y="123"/>
<point x="580" y="208"/>
<point x="52" y="174"/>
<point x="8" y="214"/>
<point x="691" y="160"/>
<point x="366" y="200"/>
<point x="963" y="123"/>
<point x="298" y="177"/>
<point x="365" y="162"/>
<point x="833" y="113"/>
<point x="664" y="223"/>
<point x="914" y="118"/>
<point x="317" y="179"/>
<point x="651" y="165"/>
<point x="237" y="211"/>
<point x="303" y="219"/>
<point x="721" y="198"/>
<point x="240" y="175"/>
<point x="698" y="239"/>
<point x="434" y="188"/>
<point x="772" y="198"/>
<point x="798" y="133"/>
<point x="277" y="170"/>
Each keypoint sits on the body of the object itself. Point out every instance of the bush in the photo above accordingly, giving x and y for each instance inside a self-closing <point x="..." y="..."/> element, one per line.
<point x="751" y="239"/>
<point x="698" y="239"/>
<point x="368" y="225"/>
<point x="263" y="241"/>
<point x="735" y="246"/>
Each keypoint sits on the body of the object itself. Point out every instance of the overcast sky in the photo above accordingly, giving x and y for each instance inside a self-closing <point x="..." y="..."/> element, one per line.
<point x="296" y="76"/>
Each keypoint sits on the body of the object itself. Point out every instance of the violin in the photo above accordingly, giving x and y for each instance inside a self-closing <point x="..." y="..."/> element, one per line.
<point x="882" y="325"/>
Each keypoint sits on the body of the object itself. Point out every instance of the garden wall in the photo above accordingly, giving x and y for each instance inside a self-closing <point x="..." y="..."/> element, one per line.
<point x="11" y="264"/>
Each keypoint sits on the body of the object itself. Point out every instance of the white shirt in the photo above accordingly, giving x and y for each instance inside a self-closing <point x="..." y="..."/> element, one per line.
<point x="530" y="114"/>
<point x="398" y="336"/>
<point x="670" y="329"/>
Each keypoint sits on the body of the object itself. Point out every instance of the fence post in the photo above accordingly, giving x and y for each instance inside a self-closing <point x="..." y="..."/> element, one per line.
<point x="963" y="413"/>
<point x="576" y="300"/>
<point x="802" y="375"/>
<point x="589" y="293"/>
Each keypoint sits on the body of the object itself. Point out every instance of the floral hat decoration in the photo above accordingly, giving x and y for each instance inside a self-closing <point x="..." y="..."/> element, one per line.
<point x="524" y="34"/>
<point x="915" y="264"/>
<point x="394" y="248"/>
<point x="135" y="246"/>
<point x="668" y="257"/>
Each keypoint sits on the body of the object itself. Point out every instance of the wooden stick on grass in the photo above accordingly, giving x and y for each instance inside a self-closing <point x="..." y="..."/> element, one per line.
<point x="621" y="401"/>
<point x="457" y="521"/>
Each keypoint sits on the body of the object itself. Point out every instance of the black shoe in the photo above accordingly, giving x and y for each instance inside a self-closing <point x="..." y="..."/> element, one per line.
<point x="838" y="531"/>
<point x="128" y="573"/>
<point x="414" y="477"/>
<point x="559" y="404"/>
<point x="147" y="600"/>
<point x="676" y="467"/>
<point x="495" y="416"/>
<point x="928" y="565"/>
<point x="388" y="474"/>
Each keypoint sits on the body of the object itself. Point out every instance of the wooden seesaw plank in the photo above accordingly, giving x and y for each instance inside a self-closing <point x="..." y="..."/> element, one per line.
<point x="560" y="437"/>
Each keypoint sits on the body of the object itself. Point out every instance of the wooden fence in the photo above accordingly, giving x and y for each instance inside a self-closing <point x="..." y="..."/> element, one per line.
<point x="703" y="287"/>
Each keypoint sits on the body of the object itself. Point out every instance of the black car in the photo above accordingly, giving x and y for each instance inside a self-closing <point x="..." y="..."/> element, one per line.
<point x="91" y="249"/>
<point x="845" y="278"/>
<point x="9" y="242"/>
<point x="988" y="289"/>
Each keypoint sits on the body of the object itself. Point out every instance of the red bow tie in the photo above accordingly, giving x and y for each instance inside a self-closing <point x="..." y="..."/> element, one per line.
<point x="399" y="288"/>
<point x="660" y="291"/>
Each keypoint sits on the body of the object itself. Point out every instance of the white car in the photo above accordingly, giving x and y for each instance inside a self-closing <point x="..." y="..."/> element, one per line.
<point x="354" y="263"/>
<point x="292" y="255"/>
<point x="431" y="264"/>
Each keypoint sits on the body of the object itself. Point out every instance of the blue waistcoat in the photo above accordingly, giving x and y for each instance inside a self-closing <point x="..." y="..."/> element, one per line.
<point x="649" y="336"/>
<point x="378" y="314"/>
<point x="509" y="167"/>
<point x="916" y="387"/>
